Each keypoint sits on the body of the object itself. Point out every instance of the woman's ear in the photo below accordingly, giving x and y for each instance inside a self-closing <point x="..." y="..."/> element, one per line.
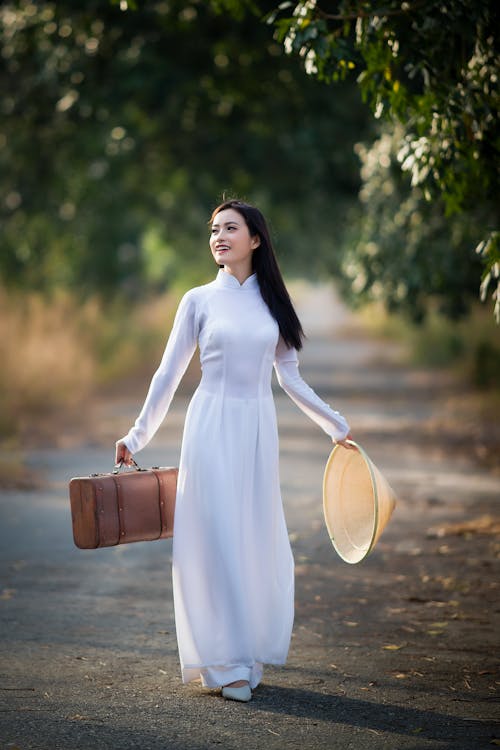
<point x="255" y="242"/>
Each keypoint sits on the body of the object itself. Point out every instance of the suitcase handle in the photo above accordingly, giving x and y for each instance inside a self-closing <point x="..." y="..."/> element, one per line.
<point x="120" y="465"/>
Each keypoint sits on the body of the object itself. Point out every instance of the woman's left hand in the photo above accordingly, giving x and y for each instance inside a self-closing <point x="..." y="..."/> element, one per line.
<point x="345" y="442"/>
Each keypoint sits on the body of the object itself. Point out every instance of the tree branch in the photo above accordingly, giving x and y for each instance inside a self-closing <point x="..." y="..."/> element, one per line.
<point x="369" y="14"/>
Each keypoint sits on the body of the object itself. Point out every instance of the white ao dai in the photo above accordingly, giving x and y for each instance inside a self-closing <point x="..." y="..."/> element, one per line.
<point x="233" y="578"/>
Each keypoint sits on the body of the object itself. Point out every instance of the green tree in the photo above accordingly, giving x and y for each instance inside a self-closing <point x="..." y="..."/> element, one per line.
<point x="433" y="69"/>
<point x="401" y="248"/>
<point x="120" y="130"/>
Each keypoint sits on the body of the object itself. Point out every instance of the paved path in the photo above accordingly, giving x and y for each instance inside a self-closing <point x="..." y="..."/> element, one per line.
<point x="399" y="652"/>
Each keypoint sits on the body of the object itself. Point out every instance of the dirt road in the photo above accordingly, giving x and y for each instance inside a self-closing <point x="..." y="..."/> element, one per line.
<point x="399" y="652"/>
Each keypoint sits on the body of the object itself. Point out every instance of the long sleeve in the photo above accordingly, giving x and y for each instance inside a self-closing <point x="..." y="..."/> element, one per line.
<point x="178" y="352"/>
<point x="287" y="370"/>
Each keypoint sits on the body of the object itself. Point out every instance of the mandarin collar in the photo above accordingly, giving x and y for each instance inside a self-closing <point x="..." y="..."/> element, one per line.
<point x="228" y="281"/>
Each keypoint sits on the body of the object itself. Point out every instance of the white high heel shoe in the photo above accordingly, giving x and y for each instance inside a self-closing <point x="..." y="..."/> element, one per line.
<point x="237" y="693"/>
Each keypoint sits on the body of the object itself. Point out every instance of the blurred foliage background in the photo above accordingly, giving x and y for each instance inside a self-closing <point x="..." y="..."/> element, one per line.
<point x="122" y="130"/>
<point x="123" y="124"/>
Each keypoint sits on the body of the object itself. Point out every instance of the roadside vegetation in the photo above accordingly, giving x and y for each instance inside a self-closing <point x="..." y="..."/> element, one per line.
<point x="470" y="346"/>
<point x="469" y="351"/>
<point x="57" y="352"/>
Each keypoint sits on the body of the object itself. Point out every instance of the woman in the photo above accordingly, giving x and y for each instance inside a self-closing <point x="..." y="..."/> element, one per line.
<point x="233" y="579"/>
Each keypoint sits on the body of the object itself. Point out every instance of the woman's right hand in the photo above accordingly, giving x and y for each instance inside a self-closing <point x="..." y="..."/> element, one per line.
<point x="122" y="454"/>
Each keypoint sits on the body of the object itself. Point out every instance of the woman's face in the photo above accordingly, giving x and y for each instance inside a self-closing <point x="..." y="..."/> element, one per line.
<point x="230" y="240"/>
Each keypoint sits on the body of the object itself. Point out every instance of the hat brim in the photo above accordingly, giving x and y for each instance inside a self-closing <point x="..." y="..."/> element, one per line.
<point x="357" y="502"/>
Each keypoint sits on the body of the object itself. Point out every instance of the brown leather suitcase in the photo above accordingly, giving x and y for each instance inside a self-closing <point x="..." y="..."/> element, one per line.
<point x="134" y="506"/>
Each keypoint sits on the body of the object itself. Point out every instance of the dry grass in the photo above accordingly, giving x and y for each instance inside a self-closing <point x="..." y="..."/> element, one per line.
<point x="56" y="352"/>
<point x="46" y="365"/>
<point x="471" y="347"/>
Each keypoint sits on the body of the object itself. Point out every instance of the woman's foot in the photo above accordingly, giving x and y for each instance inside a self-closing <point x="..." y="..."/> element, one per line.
<point x="237" y="691"/>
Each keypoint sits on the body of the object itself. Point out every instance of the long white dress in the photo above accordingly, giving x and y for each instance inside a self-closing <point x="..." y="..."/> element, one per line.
<point x="233" y="578"/>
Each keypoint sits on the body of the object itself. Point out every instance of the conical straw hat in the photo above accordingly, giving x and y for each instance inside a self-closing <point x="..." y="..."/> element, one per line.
<point x="357" y="502"/>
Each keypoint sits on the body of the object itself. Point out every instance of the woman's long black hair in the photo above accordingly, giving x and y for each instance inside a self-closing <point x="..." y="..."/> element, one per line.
<point x="265" y="265"/>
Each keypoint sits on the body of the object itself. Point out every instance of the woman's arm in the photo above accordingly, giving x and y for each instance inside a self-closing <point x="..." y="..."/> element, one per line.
<point x="286" y="365"/>
<point x="178" y="352"/>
